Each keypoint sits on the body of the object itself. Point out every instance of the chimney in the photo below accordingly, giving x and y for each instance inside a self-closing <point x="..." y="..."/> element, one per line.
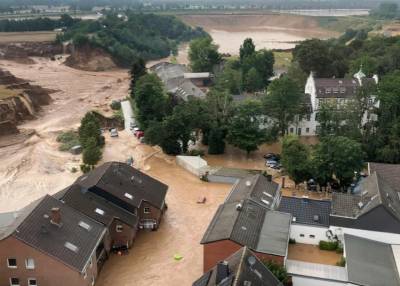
<point x="222" y="271"/>
<point x="55" y="216"/>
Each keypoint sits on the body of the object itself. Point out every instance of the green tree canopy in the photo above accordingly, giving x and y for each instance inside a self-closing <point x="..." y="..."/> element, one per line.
<point x="203" y="55"/>
<point x="296" y="159"/>
<point x="91" y="153"/>
<point x="245" y="131"/>
<point x="247" y="49"/>
<point x="283" y="101"/>
<point x="149" y="99"/>
<point x="137" y="70"/>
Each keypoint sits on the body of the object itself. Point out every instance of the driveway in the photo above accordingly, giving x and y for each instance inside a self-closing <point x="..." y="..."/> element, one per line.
<point x="128" y="114"/>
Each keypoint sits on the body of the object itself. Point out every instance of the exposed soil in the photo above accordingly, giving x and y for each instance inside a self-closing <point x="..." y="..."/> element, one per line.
<point x="90" y="59"/>
<point x="271" y="31"/>
<point x="22" y="51"/>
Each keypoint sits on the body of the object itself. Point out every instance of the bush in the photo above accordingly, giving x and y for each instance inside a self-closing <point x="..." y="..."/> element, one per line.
<point x="195" y="152"/>
<point x="339" y="249"/>
<point x="68" y="140"/>
<point x="292" y="241"/>
<point x="74" y="170"/>
<point x="341" y="262"/>
<point x="115" y="105"/>
<point x="85" y="168"/>
<point x="278" y="270"/>
<point x="328" y="245"/>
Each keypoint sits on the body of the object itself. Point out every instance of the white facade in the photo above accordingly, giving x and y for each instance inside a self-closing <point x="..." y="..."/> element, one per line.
<point x="385" y="237"/>
<point x="308" y="126"/>
<point x="308" y="234"/>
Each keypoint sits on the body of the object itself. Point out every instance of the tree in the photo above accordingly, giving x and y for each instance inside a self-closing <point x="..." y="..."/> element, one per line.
<point x="296" y="159"/>
<point x="203" y="55"/>
<point x="244" y="130"/>
<point x="265" y="65"/>
<point x="312" y="55"/>
<point x="253" y="81"/>
<point x="137" y="70"/>
<point x="283" y="102"/>
<point x="386" y="10"/>
<point x="91" y="153"/>
<point x="337" y="157"/>
<point x="278" y="270"/>
<point x="247" y="49"/>
<point x="216" y="143"/>
<point x="149" y="100"/>
<point x="330" y="120"/>
<point x="90" y="128"/>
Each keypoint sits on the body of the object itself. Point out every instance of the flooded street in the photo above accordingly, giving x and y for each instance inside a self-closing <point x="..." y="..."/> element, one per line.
<point x="35" y="167"/>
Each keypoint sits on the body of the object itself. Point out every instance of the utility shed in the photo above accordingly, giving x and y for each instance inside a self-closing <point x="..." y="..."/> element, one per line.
<point x="194" y="164"/>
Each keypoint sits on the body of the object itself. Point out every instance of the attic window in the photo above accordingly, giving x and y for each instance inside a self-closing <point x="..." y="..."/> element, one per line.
<point x="99" y="211"/>
<point x="71" y="247"/>
<point x="84" y="225"/>
<point x="83" y="178"/>
<point x="129" y="196"/>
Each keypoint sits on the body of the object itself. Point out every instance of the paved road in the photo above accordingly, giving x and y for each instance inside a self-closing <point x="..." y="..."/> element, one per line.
<point x="128" y="114"/>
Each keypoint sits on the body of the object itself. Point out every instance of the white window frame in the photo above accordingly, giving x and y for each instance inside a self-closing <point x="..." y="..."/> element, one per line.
<point x="119" y="228"/>
<point x="26" y="263"/>
<point x="29" y="280"/>
<point x="12" y="266"/>
<point x="11" y="284"/>
<point x="148" y="210"/>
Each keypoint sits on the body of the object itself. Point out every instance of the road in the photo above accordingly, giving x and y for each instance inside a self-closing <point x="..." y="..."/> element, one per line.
<point x="128" y="114"/>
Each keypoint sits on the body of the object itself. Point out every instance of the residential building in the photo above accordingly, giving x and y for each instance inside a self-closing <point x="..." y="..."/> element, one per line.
<point x="374" y="213"/>
<point x="246" y="223"/>
<point x="122" y="186"/>
<point x="122" y="225"/>
<point x="337" y="91"/>
<point x="241" y="268"/>
<point x="176" y="83"/>
<point x="310" y="219"/>
<point x="49" y="243"/>
<point x="258" y="188"/>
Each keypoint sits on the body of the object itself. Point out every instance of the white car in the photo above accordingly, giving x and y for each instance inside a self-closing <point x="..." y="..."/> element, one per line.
<point x="113" y="132"/>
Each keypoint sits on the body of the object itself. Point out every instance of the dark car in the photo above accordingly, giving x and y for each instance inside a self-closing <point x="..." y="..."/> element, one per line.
<point x="272" y="156"/>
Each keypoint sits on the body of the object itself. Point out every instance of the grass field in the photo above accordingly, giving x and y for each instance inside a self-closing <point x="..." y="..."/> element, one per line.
<point x="6" y="93"/>
<point x="341" y="24"/>
<point x="27" y="37"/>
<point x="282" y="60"/>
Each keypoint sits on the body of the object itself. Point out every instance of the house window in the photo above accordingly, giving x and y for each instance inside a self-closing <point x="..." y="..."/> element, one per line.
<point x="291" y="130"/>
<point x="30" y="263"/>
<point x="301" y="235"/>
<point x="32" y="282"/>
<point x="146" y="210"/>
<point x="12" y="262"/>
<point x="14" y="281"/>
<point x="119" y="228"/>
<point x="312" y="236"/>
<point x="342" y="90"/>
<point x="299" y="131"/>
<point x="327" y="90"/>
<point x="307" y="130"/>
<point x="308" y="117"/>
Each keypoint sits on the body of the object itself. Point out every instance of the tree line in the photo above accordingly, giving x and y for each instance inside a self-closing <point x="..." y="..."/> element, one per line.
<point x="38" y="24"/>
<point x="146" y="36"/>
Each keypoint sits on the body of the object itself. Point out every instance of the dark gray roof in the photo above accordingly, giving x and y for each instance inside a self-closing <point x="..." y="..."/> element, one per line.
<point x="37" y="231"/>
<point x="389" y="172"/>
<point x="118" y="179"/>
<point x="235" y="172"/>
<point x="375" y="191"/>
<point x="240" y="270"/>
<point x="250" y="224"/>
<point x="338" y="87"/>
<point x="87" y="202"/>
<point x="256" y="187"/>
<point x="306" y="211"/>
<point x="370" y="262"/>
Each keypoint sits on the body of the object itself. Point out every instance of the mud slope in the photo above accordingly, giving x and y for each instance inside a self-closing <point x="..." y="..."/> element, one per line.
<point x="90" y="59"/>
<point x="19" y="101"/>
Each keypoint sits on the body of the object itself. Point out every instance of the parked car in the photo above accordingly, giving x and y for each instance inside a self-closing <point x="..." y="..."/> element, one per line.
<point x="133" y="125"/>
<point x="139" y="134"/>
<point x="270" y="163"/>
<point x="272" y="156"/>
<point x="113" y="132"/>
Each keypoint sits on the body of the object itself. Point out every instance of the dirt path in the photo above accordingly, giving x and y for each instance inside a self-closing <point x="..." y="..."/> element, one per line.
<point x="35" y="167"/>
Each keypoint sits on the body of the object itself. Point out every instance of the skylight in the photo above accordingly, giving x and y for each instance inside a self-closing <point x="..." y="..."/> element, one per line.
<point x="265" y="202"/>
<point x="99" y="211"/>
<point x="71" y="247"/>
<point x="84" y="225"/>
<point x="267" y="194"/>
<point x="129" y="196"/>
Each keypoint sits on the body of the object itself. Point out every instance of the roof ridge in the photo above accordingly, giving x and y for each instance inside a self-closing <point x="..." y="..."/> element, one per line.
<point x="238" y="271"/>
